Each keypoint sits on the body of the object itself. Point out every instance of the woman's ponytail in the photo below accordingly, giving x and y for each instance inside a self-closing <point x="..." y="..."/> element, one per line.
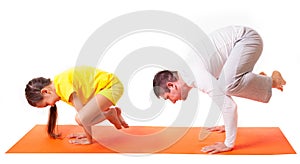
<point x="33" y="96"/>
<point x="52" y="122"/>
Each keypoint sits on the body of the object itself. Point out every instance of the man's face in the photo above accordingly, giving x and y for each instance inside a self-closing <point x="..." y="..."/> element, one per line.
<point x="176" y="92"/>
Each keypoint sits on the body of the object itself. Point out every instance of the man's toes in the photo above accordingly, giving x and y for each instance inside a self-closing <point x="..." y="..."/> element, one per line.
<point x="263" y="73"/>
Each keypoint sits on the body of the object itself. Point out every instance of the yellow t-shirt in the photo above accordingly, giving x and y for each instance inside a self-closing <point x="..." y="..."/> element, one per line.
<point x="87" y="81"/>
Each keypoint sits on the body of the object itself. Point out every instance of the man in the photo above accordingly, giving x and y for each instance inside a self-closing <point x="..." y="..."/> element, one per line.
<point x="226" y="73"/>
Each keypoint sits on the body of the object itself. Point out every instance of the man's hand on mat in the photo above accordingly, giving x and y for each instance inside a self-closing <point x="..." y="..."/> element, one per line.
<point x="216" y="148"/>
<point x="219" y="129"/>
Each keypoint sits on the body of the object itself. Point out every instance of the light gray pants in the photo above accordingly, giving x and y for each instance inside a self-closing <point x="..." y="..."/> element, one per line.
<point x="239" y="48"/>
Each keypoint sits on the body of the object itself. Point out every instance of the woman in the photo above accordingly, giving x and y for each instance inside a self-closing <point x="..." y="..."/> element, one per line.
<point x="91" y="91"/>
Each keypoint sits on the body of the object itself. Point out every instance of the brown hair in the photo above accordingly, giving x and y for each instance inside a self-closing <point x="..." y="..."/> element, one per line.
<point x="33" y="95"/>
<point x="160" y="81"/>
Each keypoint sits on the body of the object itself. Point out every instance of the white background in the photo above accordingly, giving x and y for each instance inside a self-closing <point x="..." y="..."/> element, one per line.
<point x="42" y="38"/>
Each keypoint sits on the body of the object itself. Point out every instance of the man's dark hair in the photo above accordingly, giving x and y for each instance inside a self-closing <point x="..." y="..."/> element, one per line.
<point x="160" y="81"/>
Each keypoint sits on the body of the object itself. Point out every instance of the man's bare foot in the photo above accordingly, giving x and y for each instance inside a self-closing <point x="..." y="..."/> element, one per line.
<point x="277" y="80"/>
<point x="263" y="73"/>
<point x="121" y="119"/>
<point x="113" y="118"/>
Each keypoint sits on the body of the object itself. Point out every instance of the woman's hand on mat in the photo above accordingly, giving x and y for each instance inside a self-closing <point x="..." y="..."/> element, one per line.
<point x="219" y="129"/>
<point x="216" y="148"/>
<point x="81" y="141"/>
<point x="79" y="138"/>
<point x="77" y="135"/>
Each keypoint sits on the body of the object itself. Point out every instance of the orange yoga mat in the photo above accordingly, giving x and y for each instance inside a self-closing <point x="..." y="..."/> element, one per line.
<point x="145" y="139"/>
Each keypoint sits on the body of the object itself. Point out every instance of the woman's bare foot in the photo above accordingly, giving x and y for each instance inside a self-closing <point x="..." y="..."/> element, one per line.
<point x="121" y="119"/>
<point x="278" y="81"/>
<point x="113" y="118"/>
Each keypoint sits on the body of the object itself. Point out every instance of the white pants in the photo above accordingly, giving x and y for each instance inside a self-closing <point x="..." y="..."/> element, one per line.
<point x="238" y="49"/>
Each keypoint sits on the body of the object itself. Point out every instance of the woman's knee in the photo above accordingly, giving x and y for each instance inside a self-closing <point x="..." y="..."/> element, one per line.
<point x="83" y="119"/>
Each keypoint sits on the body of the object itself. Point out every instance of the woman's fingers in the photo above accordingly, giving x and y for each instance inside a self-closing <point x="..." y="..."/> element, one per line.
<point x="76" y="135"/>
<point x="81" y="141"/>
